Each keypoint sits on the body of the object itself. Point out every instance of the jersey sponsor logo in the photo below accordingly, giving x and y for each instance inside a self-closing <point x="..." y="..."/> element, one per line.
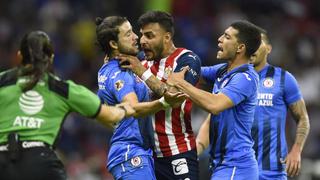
<point x="268" y="82"/>
<point x="118" y="85"/>
<point x="136" y="161"/>
<point x="180" y="166"/>
<point x="102" y="78"/>
<point x="31" y="102"/>
<point x="30" y="122"/>
<point x="265" y="99"/>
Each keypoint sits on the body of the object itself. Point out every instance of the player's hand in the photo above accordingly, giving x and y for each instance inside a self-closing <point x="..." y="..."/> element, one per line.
<point x="174" y="78"/>
<point x="293" y="162"/>
<point x="129" y="111"/>
<point x="131" y="62"/>
<point x="175" y="99"/>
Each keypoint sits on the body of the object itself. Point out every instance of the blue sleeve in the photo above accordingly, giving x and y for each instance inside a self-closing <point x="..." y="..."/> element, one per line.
<point x="121" y="85"/>
<point x="209" y="73"/>
<point x="193" y="61"/>
<point x="241" y="86"/>
<point x="291" y="89"/>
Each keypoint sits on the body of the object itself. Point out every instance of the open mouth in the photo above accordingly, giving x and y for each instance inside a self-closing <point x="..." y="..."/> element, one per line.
<point x="220" y="49"/>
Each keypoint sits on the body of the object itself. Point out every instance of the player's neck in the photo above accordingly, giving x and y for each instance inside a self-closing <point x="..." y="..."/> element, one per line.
<point x="237" y="62"/>
<point x="260" y="66"/>
<point x="168" y="50"/>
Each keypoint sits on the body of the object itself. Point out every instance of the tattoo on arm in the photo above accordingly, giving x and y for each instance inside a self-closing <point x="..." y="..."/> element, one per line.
<point x="299" y="112"/>
<point x="159" y="87"/>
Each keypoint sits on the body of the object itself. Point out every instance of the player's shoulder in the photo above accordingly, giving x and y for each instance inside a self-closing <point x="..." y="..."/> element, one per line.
<point x="283" y="72"/>
<point x="8" y="77"/>
<point x="188" y="54"/>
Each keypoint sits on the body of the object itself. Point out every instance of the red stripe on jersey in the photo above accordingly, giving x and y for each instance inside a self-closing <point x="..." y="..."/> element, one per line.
<point x="177" y="130"/>
<point x="170" y="59"/>
<point x="161" y="132"/>
<point x="187" y="121"/>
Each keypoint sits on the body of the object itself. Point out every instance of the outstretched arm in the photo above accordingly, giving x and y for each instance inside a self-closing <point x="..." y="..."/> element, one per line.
<point x="110" y="115"/>
<point x="213" y="103"/>
<point x="203" y="136"/>
<point x="293" y="160"/>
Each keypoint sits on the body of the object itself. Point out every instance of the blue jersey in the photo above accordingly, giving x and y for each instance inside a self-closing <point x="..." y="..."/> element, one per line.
<point x="132" y="137"/>
<point x="277" y="90"/>
<point x="230" y="131"/>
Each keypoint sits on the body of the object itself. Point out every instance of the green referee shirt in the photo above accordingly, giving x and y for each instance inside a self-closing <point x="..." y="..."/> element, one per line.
<point x="38" y="114"/>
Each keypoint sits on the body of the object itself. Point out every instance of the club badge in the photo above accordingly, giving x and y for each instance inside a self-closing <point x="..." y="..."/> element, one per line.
<point x="119" y="85"/>
<point x="268" y="82"/>
<point x="136" y="161"/>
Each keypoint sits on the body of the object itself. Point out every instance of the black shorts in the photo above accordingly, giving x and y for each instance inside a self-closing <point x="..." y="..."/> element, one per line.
<point x="182" y="166"/>
<point x="38" y="163"/>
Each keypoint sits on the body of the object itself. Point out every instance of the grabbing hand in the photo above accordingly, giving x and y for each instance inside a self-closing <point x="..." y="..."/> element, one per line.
<point x="175" y="78"/>
<point x="175" y="98"/>
<point x="129" y="111"/>
<point x="132" y="63"/>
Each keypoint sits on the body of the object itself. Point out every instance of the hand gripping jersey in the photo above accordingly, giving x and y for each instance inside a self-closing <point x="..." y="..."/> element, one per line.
<point x="38" y="114"/>
<point x="173" y="131"/>
<point x="277" y="90"/>
<point x="132" y="137"/>
<point x="230" y="130"/>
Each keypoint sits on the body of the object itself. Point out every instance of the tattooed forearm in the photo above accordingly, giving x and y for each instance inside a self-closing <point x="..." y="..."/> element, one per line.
<point x="300" y="115"/>
<point x="158" y="87"/>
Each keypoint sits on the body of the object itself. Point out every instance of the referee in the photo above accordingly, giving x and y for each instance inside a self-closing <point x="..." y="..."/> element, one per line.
<point x="33" y="105"/>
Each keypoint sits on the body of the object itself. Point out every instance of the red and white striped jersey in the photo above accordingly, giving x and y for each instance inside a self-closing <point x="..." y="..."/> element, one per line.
<point x="173" y="130"/>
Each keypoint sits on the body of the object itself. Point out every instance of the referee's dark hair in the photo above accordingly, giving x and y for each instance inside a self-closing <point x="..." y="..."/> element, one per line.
<point x="37" y="56"/>
<point x="108" y="29"/>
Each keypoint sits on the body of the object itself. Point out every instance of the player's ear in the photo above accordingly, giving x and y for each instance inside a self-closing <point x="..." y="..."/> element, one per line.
<point x="167" y="37"/>
<point x="241" y="48"/>
<point x="269" y="48"/>
<point x="113" y="44"/>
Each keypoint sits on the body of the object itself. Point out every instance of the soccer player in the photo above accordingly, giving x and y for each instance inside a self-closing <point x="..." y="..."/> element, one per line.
<point x="34" y="104"/>
<point x="130" y="155"/>
<point x="278" y="91"/>
<point x="231" y="103"/>
<point x="175" y="149"/>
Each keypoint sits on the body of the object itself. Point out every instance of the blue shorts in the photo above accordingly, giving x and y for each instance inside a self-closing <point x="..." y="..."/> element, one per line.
<point x="272" y="175"/>
<point x="139" y="167"/>
<point x="235" y="173"/>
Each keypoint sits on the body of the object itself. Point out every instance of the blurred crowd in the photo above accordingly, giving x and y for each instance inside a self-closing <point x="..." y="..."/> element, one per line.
<point x="293" y="27"/>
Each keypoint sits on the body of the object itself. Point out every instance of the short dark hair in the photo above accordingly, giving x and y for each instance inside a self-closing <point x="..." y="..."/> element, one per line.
<point x="164" y="19"/>
<point x="36" y="49"/>
<point x="249" y="35"/>
<point x="108" y="29"/>
<point x="265" y="33"/>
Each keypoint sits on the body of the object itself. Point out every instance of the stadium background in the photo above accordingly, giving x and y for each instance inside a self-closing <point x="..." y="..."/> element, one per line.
<point x="293" y="26"/>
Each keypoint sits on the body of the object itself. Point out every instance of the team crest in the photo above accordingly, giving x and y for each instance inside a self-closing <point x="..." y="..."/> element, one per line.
<point x="268" y="82"/>
<point x="119" y="85"/>
<point x="136" y="161"/>
<point x="167" y="72"/>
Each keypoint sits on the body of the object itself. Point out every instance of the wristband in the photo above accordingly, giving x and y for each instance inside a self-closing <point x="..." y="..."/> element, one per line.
<point x="164" y="103"/>
<point x="146" y="75"/>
